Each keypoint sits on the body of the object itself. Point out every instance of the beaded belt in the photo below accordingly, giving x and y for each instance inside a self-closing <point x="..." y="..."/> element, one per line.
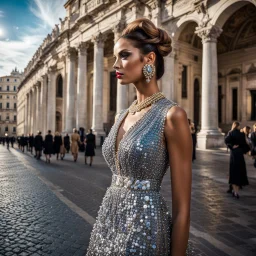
<point x="135" y="184"/>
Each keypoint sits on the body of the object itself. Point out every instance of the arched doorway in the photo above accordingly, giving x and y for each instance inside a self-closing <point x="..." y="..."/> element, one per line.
<point x="196" y="102"/>
<point x="59" y="103"/>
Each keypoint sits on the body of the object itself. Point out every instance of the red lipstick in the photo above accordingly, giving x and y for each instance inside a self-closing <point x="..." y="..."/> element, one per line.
<point x="119" y="74"/>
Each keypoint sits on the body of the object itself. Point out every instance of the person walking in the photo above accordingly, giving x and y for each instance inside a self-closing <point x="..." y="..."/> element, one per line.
<point x="7" y="139"/>
<point x="75" y="141"/>
<point x="31" y="143"/>
<point x="48" y="146"/>
<point x="90" y="145"/>
<point x="194" y="139"/>
<point x="62" y="150"/>
<point x="38" y="143"/>
<point x="57" y="144"/>
<point x="22" y="142"/>
<point x="67" y="142"/>
<point x="238" y="146"/>
<point x="253" y="144"/>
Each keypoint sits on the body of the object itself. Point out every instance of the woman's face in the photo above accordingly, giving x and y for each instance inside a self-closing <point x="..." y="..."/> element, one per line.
<point x="129" y="62"/>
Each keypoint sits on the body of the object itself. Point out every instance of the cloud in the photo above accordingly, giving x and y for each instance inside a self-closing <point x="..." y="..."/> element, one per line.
<point x="20" y="51"/>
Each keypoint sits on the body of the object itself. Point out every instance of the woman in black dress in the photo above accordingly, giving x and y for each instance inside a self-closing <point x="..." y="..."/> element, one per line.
<point x="48" y="146"/>
<point x="57" y="143"/>
<point x="38" y="142"/>
<point x="90" y="145"/>
<point x="67" y="142"/>
<point x="236" y="141"/>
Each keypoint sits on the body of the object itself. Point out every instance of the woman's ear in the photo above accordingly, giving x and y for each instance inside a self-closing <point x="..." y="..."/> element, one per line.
<point x="150" y="58"/>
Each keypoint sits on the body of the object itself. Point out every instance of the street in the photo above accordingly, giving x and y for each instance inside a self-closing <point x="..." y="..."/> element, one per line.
<point x="49" y="209"/>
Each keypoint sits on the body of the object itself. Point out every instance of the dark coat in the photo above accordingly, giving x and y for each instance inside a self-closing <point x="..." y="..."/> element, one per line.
<point x="31" y="141"/>
<point x="67" y="143"/>
<point x="22" y="141"/>
<point x="253" y="143"/>
<point x="38" y="143"/>
<point x="57" y="143"/>
<point x="48" y="145"/>
<point x="237" y="167"/>
<point x="90" y="145"/>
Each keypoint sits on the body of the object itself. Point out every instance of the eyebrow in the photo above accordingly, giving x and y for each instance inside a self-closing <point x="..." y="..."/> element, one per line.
<point x="122" y="51"/>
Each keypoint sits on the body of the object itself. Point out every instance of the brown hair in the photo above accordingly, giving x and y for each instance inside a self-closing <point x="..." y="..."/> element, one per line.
<point x="145" y="36"/>
<point x="235" y="125"/>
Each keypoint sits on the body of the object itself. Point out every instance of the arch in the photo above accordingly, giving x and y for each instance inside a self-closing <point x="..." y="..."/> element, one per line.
<point x="59" y="86"/>
<point x="181" y="24"/>
<point x="227" y="9"/>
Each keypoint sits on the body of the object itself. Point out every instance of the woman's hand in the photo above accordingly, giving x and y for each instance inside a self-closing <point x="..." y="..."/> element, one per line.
<point x="179" y="146"/>
<point x="235" y="146"/>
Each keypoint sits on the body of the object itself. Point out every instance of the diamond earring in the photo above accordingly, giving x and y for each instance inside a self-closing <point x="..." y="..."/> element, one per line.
<point x="149" y="71"/>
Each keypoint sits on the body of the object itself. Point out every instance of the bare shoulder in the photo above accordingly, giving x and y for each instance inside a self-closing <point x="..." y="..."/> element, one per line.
<point x="176" y="116"/>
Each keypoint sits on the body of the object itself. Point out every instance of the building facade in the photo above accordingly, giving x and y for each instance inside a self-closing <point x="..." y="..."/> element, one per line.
<point x="8" y="103"/>
<point x="211" y="72"/>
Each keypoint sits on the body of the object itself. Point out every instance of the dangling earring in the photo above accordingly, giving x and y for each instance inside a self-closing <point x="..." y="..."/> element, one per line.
<point x="149" y="71"/>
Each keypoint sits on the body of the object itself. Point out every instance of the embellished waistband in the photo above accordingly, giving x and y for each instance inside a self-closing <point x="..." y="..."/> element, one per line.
<point x="135" y="184"/>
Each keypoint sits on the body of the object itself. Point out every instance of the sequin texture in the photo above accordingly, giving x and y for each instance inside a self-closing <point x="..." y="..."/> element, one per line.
<point x="134" y="218"/>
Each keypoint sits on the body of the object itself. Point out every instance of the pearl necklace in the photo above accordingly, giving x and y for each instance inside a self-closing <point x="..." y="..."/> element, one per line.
<point x="135" y="107"/>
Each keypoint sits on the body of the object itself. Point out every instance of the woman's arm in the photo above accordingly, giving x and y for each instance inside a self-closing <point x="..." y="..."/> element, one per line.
<point x="179" y="145"/>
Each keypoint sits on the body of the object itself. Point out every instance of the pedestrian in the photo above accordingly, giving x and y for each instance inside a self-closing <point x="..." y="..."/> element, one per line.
<point x="133" y="218"/>
<point x="31" y="143"/>
<point x="67" y="142"/>
<point x="22" y="142"/>
<point x="194" y="139"/>
<point x="253" y="144"/>
<point x="48" y="146"/>
<point x="75" y="141"/>
<point x="7" y="139"/>
<point x="38" y="143"/>
<point x="62" y="150"/>
<point x="26" y="142"/>
<point x="57" y="144"/>
<point x="90" y="145"/>
<point x="12" y="139"/>
<point x="238" y="146"/>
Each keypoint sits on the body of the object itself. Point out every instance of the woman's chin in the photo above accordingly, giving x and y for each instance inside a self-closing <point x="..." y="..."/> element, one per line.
<point x="122" y="81"/>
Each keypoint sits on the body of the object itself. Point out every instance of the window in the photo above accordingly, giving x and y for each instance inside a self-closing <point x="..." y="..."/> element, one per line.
<point x="1" y="105"/>
<point x="7" y="118"/>
<point x="8" y="88"/>
<point x="0" y="118"/>
<point x="6" y="128"/>
<point x="15" y="118"/>
<point x="14" y="88"/>
<point x="7" y="97"/>
<point x="14" y="129"/>
<point x="1" y="96"/>
<point x="8" y="79"/>
<point x="234" y="103"/>
<point x="7" y="105"/>
<point x="184" y="92"/>
<point x="14" y="97"/>
<point x="253" y="97"/>
<point x="15" y="80"/>
<point x="0" y="88"/>
<point x="15" y="105"/>
<point x="59" y="92"/>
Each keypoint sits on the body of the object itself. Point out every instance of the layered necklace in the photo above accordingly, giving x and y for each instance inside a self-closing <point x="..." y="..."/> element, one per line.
<point x="135" y="107"/>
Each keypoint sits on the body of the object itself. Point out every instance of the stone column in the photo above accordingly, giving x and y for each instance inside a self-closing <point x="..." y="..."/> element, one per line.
<point x="31" y="110"/>
<point x="26" y="114"/>
<point x="70" y="109"/>
<point x="210" y="136"/>
<point x="35" y="118"/>
<point x="43" y="104"/>
<point x="122" y="89"/>
<point x="51" y="100"/>
<point x="168" y="79"/>
<point x="38" y="116"/>
<point x="81" y="110"/>
<point x="97" y="121"/>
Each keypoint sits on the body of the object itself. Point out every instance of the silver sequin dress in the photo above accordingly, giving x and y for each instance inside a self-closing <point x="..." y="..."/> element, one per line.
<point x="134" y="218"/>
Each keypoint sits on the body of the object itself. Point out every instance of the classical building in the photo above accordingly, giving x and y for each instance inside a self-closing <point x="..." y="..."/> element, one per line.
<point x="8" y="103"/>
<point x="211" y="72"/>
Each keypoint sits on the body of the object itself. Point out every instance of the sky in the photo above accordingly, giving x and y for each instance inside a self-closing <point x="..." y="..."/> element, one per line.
<point x="23" y="26"/>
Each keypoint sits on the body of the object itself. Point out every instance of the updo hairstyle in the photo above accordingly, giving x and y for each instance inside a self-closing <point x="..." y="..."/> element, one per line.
<point x="145" y="36"/>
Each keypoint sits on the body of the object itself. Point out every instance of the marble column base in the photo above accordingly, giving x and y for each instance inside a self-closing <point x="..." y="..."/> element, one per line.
<point x="210" y="139"/>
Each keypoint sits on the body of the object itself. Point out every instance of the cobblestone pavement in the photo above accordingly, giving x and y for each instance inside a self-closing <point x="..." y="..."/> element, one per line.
<point x="49" y="209"/>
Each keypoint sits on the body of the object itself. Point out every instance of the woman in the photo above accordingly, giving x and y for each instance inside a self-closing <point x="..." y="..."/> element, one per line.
<point x="75" y="140"/>
<point x="145" y="139"/>
<point x="238" y="146"/>
<point x="194" y="140"/>
<point x="90" y="145"/>
<point x="48" y="146"/>
<point x="57" y="144"/>
<point x="38" y="145"/>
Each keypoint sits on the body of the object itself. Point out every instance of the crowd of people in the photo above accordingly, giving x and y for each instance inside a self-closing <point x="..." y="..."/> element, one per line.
<point x="240" y="142"/>
<point x="7" y="140"/>
<point x="58" y="145"/>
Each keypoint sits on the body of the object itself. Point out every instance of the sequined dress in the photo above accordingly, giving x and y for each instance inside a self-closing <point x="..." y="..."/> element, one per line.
<point x="134" y="218"/>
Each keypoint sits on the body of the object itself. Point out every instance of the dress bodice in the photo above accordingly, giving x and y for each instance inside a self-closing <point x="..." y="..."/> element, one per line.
<point x="142" y="153"/>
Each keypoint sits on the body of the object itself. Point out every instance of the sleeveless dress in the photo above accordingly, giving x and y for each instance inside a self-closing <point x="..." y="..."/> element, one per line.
<point x="134" y="218"/>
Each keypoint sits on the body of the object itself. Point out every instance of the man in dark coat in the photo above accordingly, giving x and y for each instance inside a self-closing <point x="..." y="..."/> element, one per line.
<point x="31" y="143"/>
<point x="22" y="142"/>
<point x="90" y="145"/>
<point x="67" y="142"/>
<point x="48" y="146"/>
<point x="38" y="143"/>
